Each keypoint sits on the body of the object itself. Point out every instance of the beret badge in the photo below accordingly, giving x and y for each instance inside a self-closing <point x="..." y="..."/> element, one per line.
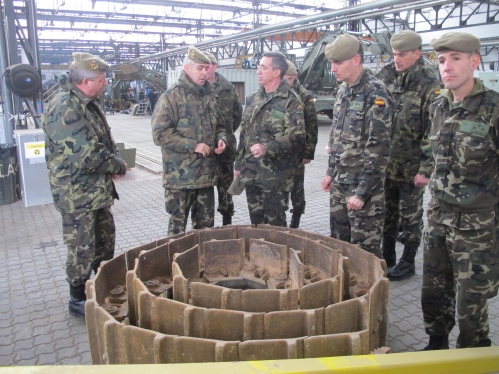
<point x="93" y="65"/>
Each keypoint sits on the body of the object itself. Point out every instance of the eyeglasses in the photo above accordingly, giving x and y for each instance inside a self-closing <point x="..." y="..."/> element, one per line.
<point x="264" y="68"/>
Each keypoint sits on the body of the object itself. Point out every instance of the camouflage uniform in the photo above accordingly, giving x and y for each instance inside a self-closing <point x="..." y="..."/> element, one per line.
<point x="276" y="121"/>
<point x="413" y="92"/>
<point x="185" y="115"/>
<point x="461" y="253"/>
<point x="311" y="127"/>
<point x="360" y="144"/>
<point x="81" y="159"/>
<point x="231" y="110"/>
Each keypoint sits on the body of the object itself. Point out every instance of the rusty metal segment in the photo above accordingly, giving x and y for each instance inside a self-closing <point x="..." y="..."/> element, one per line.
<point x="223" y="257"/>
<point x="269" y="258"/>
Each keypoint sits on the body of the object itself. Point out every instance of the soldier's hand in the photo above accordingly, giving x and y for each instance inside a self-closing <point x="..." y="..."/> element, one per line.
<point x="258" y="150"/>
<point x="237" y="173"/>
<point x="328" y="150"/>
<point x="326" y="183"/>
<point x="420" y="180"/>
<point x="220" y="147"/>
<point x="354" y="203"/>
<point x="202" y="148"/>
<point x="305" y="161"/>
<point x="127" y="168"/>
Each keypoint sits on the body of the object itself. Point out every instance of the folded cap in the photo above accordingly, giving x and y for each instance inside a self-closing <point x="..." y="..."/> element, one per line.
<point x="211" y="56"/>
<point x="197" y="56"/>
<point x="88" y="62"/>
<point x="456" y="41"/>
<point x="343" y="48"/>
<point x="291" y="69"/>
<point x="406" y="40"/>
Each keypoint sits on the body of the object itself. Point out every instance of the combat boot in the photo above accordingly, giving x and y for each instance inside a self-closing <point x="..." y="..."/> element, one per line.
<point x="77" y="300"/>
<point x="388" y="250"/>
<point x="406" y="267"/>
<point x="437" y="343"/>
<point x="295" y="220"/>
<point x="227" y="219"/>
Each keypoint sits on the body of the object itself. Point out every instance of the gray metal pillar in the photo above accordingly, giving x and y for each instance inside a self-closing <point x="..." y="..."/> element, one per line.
<point x="33" y="43"/>
<point x="8" y="108"/>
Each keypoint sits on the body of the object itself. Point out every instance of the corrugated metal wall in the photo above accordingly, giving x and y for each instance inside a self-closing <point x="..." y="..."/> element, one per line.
<point x="245" y="81"/>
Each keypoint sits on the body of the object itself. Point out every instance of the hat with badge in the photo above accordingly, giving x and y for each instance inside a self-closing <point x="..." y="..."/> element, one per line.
<point x="197" y="56"/>
<point x="88" y="62"/>
<point x="406" y="40"/>
<point x="211" y="56"/>
<point x="456" y="41"/>
<point x="291" y="69"/>
<point x="343" y="48"/>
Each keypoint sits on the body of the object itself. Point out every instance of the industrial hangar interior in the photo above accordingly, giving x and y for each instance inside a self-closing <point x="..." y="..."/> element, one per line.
<point x="145" y="41"/>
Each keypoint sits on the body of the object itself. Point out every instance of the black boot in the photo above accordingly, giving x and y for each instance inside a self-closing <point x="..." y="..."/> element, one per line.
<point x="406" y="267"/>
<point x="388" y="250"/>
<point x="295" y="220"/>
<point x="437" y="343"/>
<point x="227" y="219"/>
<point x="77" y="300"/>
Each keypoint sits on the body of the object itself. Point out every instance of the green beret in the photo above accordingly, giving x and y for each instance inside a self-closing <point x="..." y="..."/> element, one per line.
<point x="88" y="62"/>
<point x="197" y="56"/>
<point x="343" y="48"/>
<point x="406" y="40"/>
<point x="212" y="57"/>
<point x="291" y="69"/>
<point x="456" y="41"/>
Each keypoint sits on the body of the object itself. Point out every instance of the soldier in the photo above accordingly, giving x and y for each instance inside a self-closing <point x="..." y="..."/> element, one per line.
<point x="461" y="250"/>
<point x="82" y="160"/>
<point x="231" y="110"/>
<point x="359" y="148"/>
<point x="413" y="86"/>
<point x="310" y="116"/>
<point x="271" y="142"/>
<point x="188" y="127"/>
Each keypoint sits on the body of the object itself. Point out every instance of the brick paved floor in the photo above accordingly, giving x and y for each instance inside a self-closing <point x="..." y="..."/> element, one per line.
<point x="35" y="327"/>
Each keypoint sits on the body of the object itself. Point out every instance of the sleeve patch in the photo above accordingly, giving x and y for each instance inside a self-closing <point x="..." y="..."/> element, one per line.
<point x="379" y="102"/>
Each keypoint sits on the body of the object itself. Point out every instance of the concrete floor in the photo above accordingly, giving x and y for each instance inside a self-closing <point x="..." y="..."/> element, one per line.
<point x="35" y="327"/>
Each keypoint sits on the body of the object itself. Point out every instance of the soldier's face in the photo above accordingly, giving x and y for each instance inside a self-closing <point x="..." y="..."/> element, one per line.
<point x="405" y="60"/>
<point x="210" y="75"/>
<point x="343" y="70"/>
<point x="290" y="78"/>
<point x="96" y="87"/>
<point x="267" y="74"/>
<point x="456" y="68"/>
<point x="197" y="72"/>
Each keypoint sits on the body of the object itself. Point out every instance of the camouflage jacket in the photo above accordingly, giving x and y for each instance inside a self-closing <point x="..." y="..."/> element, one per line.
<point x="465" y="145"/>
<point x="360" y="134"/>
<point x="310" y="116"/>
<point x="185" y="115"/>
<point x="80" y="152"/>
<point x="412" y="92"/>
<point x="276" y="121"/>
<point x="231" y="110"/>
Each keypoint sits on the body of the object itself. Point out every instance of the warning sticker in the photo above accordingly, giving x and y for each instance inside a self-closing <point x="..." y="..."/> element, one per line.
<point x="34" y="149"/>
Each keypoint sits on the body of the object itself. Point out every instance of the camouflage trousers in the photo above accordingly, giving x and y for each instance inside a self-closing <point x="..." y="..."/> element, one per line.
<point x="404" y="205"/>
<point x="460" y="272"/>
<point x="225" y="179"/>
<point x="267" y="206"/>
<point x="178" y="203"/>
<point x="90" y="238"/>
<point x="362" y="227"/>
<point x="298" y="191"/>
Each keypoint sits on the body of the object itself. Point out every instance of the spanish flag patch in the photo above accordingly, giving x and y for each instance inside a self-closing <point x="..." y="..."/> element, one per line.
<point x="379" y="102"/>
<point x="437" y="92"/>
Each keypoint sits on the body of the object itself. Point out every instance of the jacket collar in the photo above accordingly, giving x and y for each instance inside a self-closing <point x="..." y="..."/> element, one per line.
<point x="186" y="82"/>
<point x="471" y="101"/>
<point x="281" y="91"/>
